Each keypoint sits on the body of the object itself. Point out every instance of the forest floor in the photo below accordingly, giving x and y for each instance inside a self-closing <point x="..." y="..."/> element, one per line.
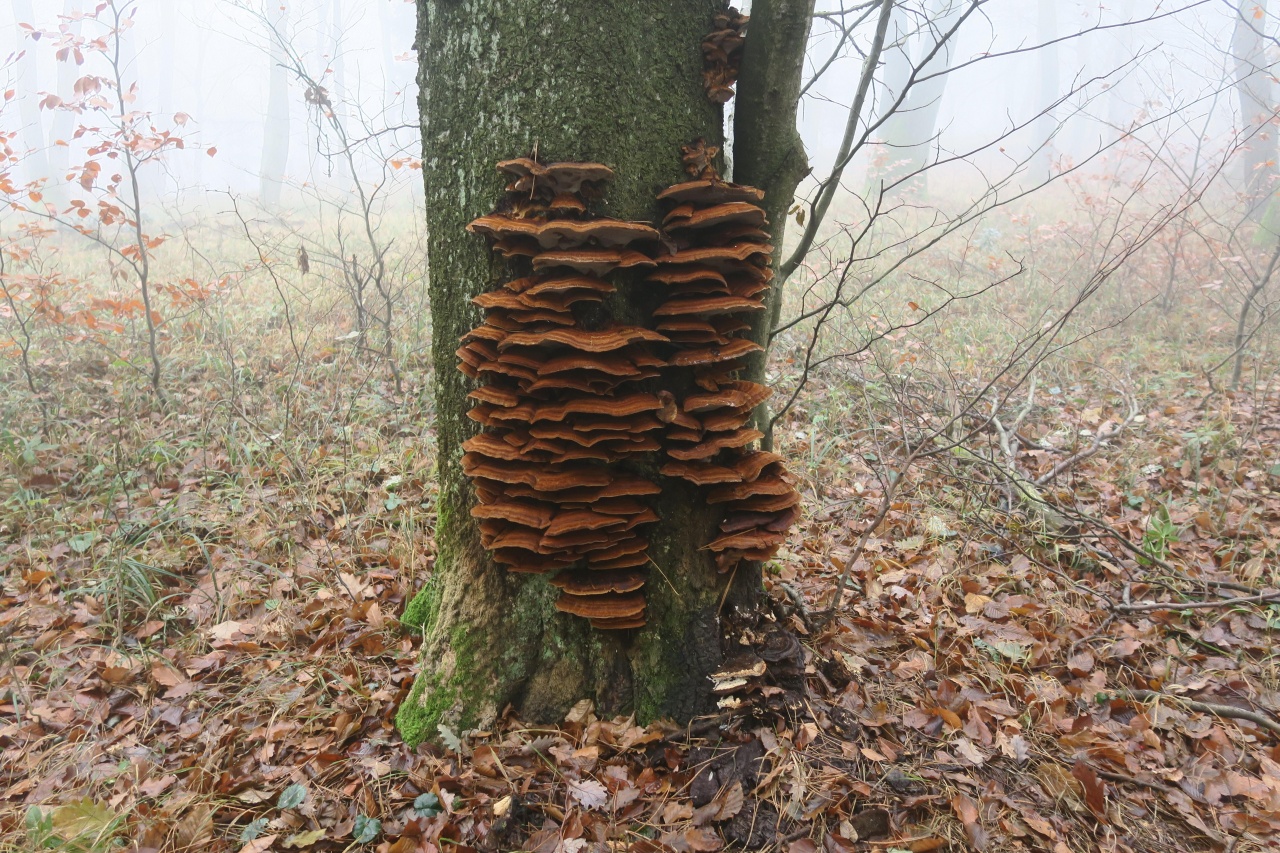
<point x="201" y="651"/>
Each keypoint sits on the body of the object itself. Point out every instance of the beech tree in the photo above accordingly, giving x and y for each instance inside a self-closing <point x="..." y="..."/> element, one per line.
<point x="613" y="83"/>
<point x="1255" y="91"/>
<point x="275" y="141"/>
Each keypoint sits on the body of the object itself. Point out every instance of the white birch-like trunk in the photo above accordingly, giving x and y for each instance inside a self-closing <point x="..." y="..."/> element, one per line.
<point x="275" y="142"/>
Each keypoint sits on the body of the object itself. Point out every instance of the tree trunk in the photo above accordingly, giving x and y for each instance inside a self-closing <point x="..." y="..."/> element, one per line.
<point x="63" y="124"/>
<point x="1256" y="93"/>
<point x="611" y="81"/>
<point x="768" y="152"/>
<point x="37" y="159"/>
<point x="910" y="131"/>
<point x="275" y="143"/>
<point x="898" y="62"/>
<point x="1046" y="125"/>
<point x="338" y="82"/>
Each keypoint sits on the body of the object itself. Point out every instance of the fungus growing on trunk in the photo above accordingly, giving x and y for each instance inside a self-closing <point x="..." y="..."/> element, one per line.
<point x="722" y="54"/>
<point x="560" y="404"/>
<point x="554" y="406"/>
<point x="716" y="273"/>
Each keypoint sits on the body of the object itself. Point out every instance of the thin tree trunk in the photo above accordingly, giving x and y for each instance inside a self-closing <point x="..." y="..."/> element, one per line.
<point x="1120" y="111"/>
<point x="386" y="29"/>
<point x="1256" y="93"/>
<point x="275" y="144"/>
<point x="335" y="50"/>
<point x="209" y="130"/>
<point x="63" y="123"/>
<point x="768" y="152"/>
<point x="571" y="81"/>
<point x="32" y="133"/>
<point x="1046" y="124"/>
<point x="168" y="63"/>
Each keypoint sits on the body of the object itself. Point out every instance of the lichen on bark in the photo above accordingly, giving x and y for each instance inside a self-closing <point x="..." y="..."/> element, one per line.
<point x="611" y="81"/>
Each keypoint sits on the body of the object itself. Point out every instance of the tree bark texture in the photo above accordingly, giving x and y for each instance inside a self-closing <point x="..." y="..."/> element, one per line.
<point x="611" y="81"/>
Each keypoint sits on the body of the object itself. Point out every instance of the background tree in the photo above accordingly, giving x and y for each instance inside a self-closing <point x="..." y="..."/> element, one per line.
<point x="275" y="139"/>
<point x="63" y="123"/>
<point x="29" y="79"/>
<point x="926" y="42"/>
<point x="1255" y="90"/>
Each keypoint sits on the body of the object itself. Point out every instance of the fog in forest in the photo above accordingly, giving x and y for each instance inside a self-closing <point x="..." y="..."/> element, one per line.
<point x="1065" y="79"/>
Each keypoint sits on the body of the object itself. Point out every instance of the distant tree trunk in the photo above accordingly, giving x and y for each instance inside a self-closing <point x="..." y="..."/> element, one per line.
<point x="151" y="182"/>
<point x="910" y="133"/>
<point x="32" y="133"/>
<point x="612" y="81"/>
<point x="1046" y="126"/>
<point x="336" y="62"/>
<point x="63" y="124"/>
<point x="897" y="59"/>
<point x="386" y="28"/>
<point x="1119" y="110"/>
<point x="168" y="65"/>
<point x="275" y="143"/>
<point x="1255" y="91"/>
<point x="208" y="130"/>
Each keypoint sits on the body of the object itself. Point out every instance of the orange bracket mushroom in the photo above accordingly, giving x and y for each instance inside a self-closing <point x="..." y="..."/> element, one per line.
<point x="716" y="271"/>
<point x="557" y="401"/>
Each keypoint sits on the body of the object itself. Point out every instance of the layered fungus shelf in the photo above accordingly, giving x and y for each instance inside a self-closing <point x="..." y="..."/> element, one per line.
<point x="718" y="274"/>
<point x="569" y="406"/>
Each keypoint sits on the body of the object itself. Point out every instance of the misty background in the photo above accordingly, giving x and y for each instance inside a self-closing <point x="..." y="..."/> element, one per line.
<point x="210" y="69"/>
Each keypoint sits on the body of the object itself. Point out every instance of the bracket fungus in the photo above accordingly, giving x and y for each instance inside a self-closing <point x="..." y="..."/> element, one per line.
<point x="722" y="54"/>
<point x="566" y="401"/>
<point x="716" y="272"/>
<point x="557" y="400"/>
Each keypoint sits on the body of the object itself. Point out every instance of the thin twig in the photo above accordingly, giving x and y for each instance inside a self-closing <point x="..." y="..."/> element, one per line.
<point x="1098" y="440"/>
<point x="1148" y="606"/>
<point x="1215" y="708"/>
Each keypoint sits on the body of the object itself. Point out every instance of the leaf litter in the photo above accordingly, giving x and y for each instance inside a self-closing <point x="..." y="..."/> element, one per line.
<point x="983" y="688"/>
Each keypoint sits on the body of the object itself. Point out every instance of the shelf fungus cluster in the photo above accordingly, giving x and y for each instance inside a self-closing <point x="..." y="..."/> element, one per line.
<point x="716" y="277"/>
<point x="567" y="402"/>
<point x="722" y="54"/>
<point x="559" y="401"/>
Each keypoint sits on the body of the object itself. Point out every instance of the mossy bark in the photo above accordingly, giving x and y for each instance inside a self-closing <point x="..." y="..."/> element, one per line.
<point x="611" y="81"/>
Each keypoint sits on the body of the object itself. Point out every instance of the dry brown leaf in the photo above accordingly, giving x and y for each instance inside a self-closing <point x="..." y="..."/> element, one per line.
<point x="967" y="810"/>
<point x="1081" y="664"/>
<point x="1094" y="794"/>
<point x="951" y="718"/>
<point x="923" y="845"/>
<point x="167" y="676"/>
<point x="589" y="793"/>
<point x="726" y="804"/>
<point x="259" y="845"/>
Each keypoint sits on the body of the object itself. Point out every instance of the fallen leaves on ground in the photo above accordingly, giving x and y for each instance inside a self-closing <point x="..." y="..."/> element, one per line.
<point x="981" y="688"/>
